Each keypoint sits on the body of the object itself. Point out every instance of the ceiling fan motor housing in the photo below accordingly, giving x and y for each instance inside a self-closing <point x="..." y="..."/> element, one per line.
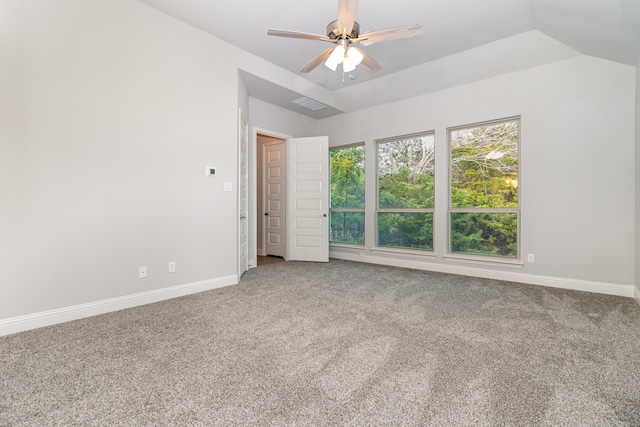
<point x="334" y="32"/>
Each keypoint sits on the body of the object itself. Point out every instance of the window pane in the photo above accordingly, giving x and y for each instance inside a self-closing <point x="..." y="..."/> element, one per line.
<point x="347" y="177"/>
<point x="347" y="227"/>
<point x="484" y="166"/>
<point x="484" y="233"/>
<point x="406" y="173"/>
<point x="406" y="230"/>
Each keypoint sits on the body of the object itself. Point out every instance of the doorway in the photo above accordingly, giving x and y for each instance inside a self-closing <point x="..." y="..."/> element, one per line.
<point x="271" y="197"/>
<point x="301" y="197"/>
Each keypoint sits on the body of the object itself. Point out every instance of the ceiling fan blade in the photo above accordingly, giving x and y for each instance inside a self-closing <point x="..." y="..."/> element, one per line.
<point x="389" y="34"/>
<point x="317" y="61"/>
<point x="346" y="15"/>
<point x="297" y="35"/>
<point x="368" y="63"/>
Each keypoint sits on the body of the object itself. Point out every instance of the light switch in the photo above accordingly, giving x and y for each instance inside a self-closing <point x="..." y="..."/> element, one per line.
<point x="228" y="186"/>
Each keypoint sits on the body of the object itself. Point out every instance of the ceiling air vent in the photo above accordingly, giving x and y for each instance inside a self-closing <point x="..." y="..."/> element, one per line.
<point x="309" y="103"/>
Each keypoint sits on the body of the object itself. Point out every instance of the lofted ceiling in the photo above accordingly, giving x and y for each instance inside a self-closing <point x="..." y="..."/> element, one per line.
<point x="608" y="29"/>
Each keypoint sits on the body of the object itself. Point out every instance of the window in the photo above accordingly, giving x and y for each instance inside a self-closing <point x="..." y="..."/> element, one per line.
<point x="484" y="205"/>
<point x="404" y="214"/>
<point x="346" y="222"/>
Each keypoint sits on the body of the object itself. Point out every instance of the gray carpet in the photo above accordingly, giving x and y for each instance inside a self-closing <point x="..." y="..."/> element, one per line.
<point x="336" y="344"/>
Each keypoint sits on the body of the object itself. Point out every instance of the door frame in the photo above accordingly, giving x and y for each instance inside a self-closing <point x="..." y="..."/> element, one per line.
<point x="253" y="187"/>
<point x="243" y="121"/>
<point x="265" y="194"/>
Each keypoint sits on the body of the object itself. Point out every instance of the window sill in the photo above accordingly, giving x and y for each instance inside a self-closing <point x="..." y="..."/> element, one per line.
<point x="515" y="263"/>
<point x="347" y="246"/>
<point x="403" y="251"/>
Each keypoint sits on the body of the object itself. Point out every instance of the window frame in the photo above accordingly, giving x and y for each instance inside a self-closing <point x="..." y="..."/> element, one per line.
<point x="346" y="210"/>
<point x="377" y="210"/>
<point x="517" y="210"/>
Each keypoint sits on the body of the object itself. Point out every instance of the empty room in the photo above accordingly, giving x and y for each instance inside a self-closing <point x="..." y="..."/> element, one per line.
<point x="337" y="212"/>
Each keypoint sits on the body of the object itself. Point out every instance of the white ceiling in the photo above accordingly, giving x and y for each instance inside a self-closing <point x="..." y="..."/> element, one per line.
<point x="609" y="29"/>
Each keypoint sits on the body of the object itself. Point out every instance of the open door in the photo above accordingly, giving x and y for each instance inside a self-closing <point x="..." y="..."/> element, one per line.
<point x="308" y="201"/>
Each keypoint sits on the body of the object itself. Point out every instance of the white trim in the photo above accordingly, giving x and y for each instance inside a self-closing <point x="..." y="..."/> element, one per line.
<point x="531" y="279"/>
<point x="344" y="245"/>
<point x="241" y="121"/>
<point x="636" y="294"/>
<point x="417" y="253"/>
<point x="60" y="315"/>
<point x="479" y="260"/>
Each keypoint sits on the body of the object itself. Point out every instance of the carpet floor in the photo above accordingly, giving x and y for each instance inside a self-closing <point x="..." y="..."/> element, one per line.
<point x="339" y="343"/>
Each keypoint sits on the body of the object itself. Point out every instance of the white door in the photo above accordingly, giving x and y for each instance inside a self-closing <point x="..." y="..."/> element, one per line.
<point x="308" y="225"/>
<point x="274" y="203"/>
<point x="244" y="197"/>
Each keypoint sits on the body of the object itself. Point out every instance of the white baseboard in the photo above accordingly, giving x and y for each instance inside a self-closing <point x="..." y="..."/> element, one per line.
<point x="510" y="276"/>
<point x="52" y="317"/>
<point x="637" y="295"/>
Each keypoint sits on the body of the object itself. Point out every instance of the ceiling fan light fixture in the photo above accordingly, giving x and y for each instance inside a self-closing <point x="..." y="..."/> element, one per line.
<point x="336" y="57"/>
<point x="344" y="31"/>
<point x="355" y="56"/>
<point x="348" y="65"/>
<point x="331" y="65"/>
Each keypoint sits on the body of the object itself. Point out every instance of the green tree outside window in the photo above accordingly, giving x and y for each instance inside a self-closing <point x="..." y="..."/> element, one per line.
<point x="346" y="222"/>
<point x="406" y="192"/>
<point x="484" y="205"/>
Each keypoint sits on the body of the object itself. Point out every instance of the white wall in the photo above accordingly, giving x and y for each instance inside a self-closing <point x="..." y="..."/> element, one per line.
<point x="577" y="165"/>
<point x="265" y="116"/>
<point x="109" y="113"/>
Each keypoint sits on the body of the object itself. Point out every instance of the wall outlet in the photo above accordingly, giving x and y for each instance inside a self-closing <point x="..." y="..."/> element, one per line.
<point x="172" y="267"/>
<point x="142" y="272"/>
<point x="531" y="258"/>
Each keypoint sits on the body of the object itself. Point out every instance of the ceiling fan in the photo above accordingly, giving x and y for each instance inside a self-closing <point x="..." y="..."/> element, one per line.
<point x="343" y="32"/>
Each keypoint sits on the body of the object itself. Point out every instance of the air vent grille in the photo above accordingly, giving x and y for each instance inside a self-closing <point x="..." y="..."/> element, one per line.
<point x="309" y="103"/>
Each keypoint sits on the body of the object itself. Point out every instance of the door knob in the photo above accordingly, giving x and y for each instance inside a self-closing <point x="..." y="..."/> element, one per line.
<point x="266" y="213"/>
<point x="324" y="215"/>
<point x="243" y="217"/>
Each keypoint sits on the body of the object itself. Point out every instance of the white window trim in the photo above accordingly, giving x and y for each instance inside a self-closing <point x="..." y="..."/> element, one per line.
<point x="484" y="260"/>
<point x="418" y="253"/>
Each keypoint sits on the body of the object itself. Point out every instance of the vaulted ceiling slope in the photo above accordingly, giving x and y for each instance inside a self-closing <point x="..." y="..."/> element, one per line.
<point x="608" y="29"/>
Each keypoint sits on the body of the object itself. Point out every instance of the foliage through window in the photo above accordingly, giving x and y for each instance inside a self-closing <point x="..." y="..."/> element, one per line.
<point x="484" y="208"/>
<point x="347" y="195"/>
<point x="406" y="192"/>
